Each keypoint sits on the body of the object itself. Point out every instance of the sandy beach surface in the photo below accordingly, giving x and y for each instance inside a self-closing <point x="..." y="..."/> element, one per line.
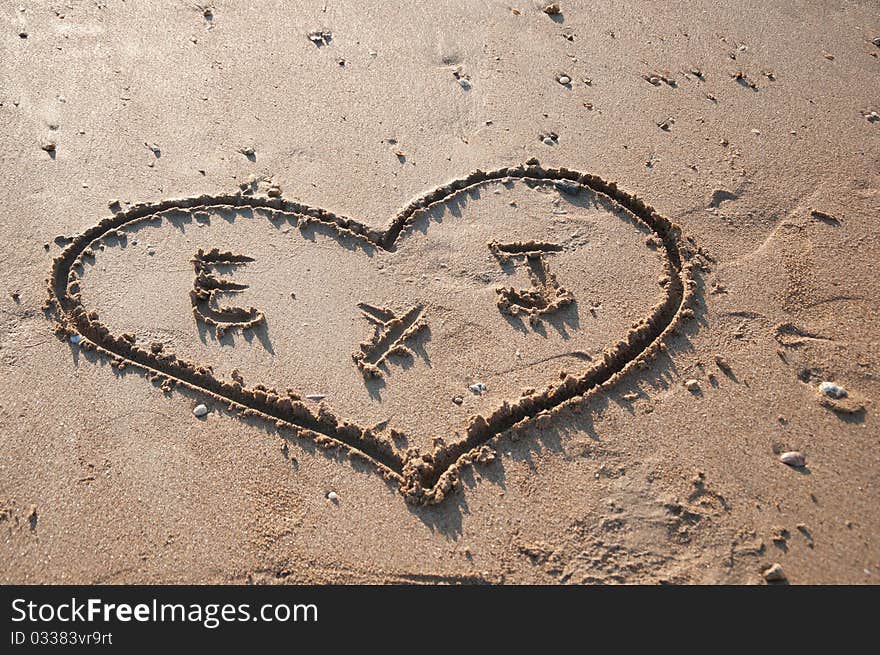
<point x="470" y="292"/>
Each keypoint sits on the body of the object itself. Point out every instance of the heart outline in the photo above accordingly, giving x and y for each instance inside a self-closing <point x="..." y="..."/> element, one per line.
<point x="425" y="478"/>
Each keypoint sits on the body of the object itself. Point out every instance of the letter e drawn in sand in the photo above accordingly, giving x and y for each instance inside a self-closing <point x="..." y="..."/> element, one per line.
<point x="389" y="338"/>
<point x="546" y="295"/>
<point x="207" y="285"/>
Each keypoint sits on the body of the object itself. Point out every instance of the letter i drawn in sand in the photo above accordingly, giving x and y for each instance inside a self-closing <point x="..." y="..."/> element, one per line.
<point x="389" y="338"/>
<point x="546" y="295"/>
<point x="208" y="285"/>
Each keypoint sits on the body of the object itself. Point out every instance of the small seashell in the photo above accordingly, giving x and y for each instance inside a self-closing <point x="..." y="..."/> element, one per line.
<point x="832" y="390"/>
<point x="200" y="410"/>
<point x="692" y="385"/>
<point x="332" y="496"/>
<point x="478" y="388"/>
<point x="793" y="458"/>
<point x="563" y="79"/>
<point x="75" y="338"/>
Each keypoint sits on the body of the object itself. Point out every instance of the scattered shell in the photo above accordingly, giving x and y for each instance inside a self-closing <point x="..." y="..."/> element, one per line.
<point x="793" y="458"/>
<point x="458" y="400"/>
<point x="774" y="573"/>
<point x="692" y="385"/>
<point x="200" y="410"/>
<point x="548" y="141"/>
<point x="274" y="191"/>
<point x="48" y="146"/>
<point x="315" y="396"/>
<point x="333" y="497"/>
<point x="876" y="41"/>
<point x="320" y="37"/>
<point x="247" y="152"/>
<point x="832" y="390"/>
<point x="75" y="338"/>
<point x="464" y="83"/>
<point x="553" y="9"/>
<point x="478" y="388"/>
<point x="563" y="79"/>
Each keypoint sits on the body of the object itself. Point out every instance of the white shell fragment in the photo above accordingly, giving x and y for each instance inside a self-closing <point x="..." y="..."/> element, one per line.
<point x="832" y="390"/>
<point x="332" y="496"/>
<point x="692" y="385"/>
<point x="793" y="458"/>
<point x="315" y="396"/>
<point x="478" y="388"/>
<point x="200" y="410"/>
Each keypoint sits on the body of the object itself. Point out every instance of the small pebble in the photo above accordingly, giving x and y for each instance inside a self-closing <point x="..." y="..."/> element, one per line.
<point x="458" y="400"/>
<point x="692" y="385"/>
<point x="570" y="188"/>
<point x="75" y="338"/>
<point x="563" y="79"/>
<point x="548" y="141"/>
<point x="722" y="363"/>
<point x="478" y="388"/>
<point x="793" y="458"/>
<point x="553" y="9"/>
<point x="332" y="496"/>
<point x="774" y="573"/>
<point x="464" y="83"/>
<point x="247" y="152"/>
<point x="48" y="146"/>
<point x="200" y="410"/>
<point x="274" y="191"/>
<point x="832" y="390"/>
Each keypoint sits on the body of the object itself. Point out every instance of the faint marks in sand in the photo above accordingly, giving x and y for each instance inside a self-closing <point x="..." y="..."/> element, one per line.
<point x="15" y="519"/>
<point x="646" y="537"/>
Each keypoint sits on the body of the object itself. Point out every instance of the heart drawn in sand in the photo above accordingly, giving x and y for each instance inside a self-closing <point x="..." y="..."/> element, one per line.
<point x="482" y="306"/>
